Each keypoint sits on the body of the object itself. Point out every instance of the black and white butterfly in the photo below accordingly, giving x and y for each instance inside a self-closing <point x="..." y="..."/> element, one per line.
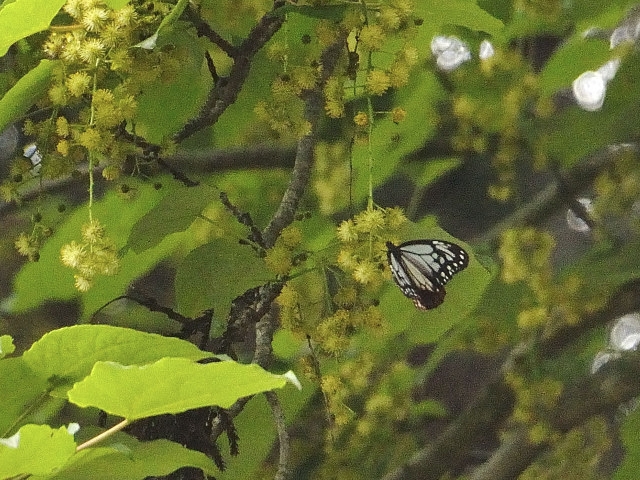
<point x="421" y="268"/>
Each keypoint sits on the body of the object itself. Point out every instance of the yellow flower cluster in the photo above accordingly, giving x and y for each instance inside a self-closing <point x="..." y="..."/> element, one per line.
<point x="95" y="255"/>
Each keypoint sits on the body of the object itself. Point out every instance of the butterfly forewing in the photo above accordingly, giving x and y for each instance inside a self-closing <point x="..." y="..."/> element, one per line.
<point x="421" y="268"/>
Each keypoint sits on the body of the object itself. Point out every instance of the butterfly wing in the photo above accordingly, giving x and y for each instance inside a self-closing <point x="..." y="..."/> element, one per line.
<point x="421" y="268"/>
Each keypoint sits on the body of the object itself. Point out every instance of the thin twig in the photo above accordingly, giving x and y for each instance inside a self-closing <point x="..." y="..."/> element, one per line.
<point x="283" y="436"/>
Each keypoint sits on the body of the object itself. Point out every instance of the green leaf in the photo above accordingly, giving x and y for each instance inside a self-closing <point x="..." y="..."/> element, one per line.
<point x="174" y="213"/>
<point x="6" y="346"/>
<point x="629" y="434"/>
<point x="464" y="291"/>
<point x="118" y="215"/>
<point x="391" y="142"/>
<point x="570" y="60"/>
<point x="20" y="388"/>
<point x="26" y="92"/>
<point x="165" y="106"/>
<point x="35" y="450"/>
<point x="170" y="385"/>
<point x="572" y="133"/>
<point x="23" y="18"/>
<point x="136" y="462"/>
<point x="212" y="275"/>
<point x="464" y="13"/>
<point x="69" y="353"/>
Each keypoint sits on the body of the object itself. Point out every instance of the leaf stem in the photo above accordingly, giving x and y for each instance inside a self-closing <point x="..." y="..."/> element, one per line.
<point x="107" y="433"/>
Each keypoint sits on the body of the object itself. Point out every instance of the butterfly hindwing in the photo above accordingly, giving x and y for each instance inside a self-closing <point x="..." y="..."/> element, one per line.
<point x="421" y="268"/>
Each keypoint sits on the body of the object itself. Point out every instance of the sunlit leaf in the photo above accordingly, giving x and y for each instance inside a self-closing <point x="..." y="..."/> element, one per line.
<point x="170" y="385"/>
<point x="35" y="450"/>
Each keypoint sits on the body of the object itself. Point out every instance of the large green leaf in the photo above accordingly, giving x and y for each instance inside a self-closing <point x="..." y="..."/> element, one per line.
<point x="212" y="275"/>
<point x="170" y="385"/>
<point x="49" y="279"/>
<point x="35" y="450"/>
<point x="20" y="388"/>
<point x="69" y="353"/>
<point x="25" y="93"/>
<point x="165" y="106"/>
<point x="136" y="462"/>
<point x="23" y="18"/>
<point x="174" y="213"/>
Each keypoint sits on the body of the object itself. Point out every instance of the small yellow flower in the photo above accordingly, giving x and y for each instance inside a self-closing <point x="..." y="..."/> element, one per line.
<point x="94" y="18"/>
<point x="347" y="232"/>
<point x="278" y="260"/>
<point x="90" y="139"/>
<point x="24" y="245"/>
<point x="365" y="273"/>
<point x="398" y="114"/>
<point x="72" y="254"/>
<point x="372" y="37"/>
<point x="378" y="82"/>
<point x="361" y="119"/>
<point x="78" y="83"/>
<point x="82" y="283"/>
<point x="291" y="237"/>
<point x="91" y="50"/>
<point x="63" y="147"/>
<point x="92" y="231"/>
<point x="62" y="127"/>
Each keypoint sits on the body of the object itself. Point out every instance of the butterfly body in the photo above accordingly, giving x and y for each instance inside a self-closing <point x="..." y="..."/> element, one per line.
<point x="421" y="268"/>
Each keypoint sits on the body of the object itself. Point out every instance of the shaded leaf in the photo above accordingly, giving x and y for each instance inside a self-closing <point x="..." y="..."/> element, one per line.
<point x="174" y="213"/>
<point x="140" y="460"/>
<point x="26" y="92"/>
<point x="20" y="388"/>
<point x="212" y="275"/>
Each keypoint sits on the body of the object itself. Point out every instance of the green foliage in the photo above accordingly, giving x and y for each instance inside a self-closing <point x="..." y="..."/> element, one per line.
<point x="112" y="387"/>
<point x="36" y="450"/>
<point x="354" y="90"/>
<point x="123" y="372"/>
<point x="132" y="460"/>
<point x="22" y="18"/>
<point x="25" y="92"/>
<point x="209" y="264"/>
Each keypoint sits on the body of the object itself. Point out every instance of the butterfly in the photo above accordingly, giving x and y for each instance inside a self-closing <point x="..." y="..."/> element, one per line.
<point x="421" y="268"/>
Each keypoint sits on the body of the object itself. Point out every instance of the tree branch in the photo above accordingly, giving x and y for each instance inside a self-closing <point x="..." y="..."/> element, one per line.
<point x="226" y="90"/>
<point x="617" y="382"/>
<point x="283" y="436"/>
<point x="561" y="192"/>
<point x="305" y="151"/>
